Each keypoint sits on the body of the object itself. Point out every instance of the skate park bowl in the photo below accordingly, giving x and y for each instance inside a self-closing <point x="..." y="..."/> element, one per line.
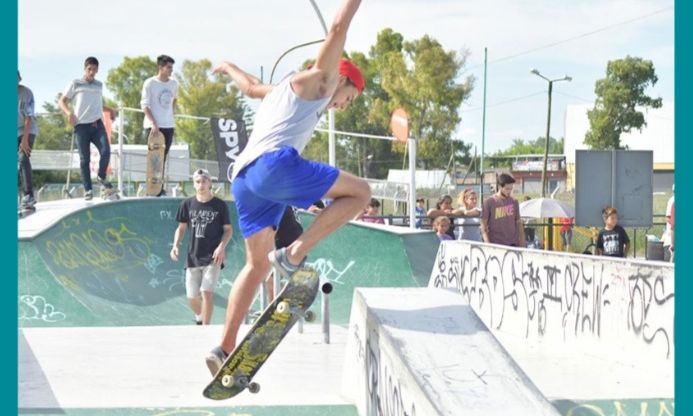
<point x="577" y="332"/>
<point x="109" y="265"/>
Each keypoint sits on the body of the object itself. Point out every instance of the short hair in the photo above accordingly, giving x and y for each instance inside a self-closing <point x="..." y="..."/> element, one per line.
<point x="91" y="61"/>
<point x="374" y="203"/>
<point x="420" y="200"/>
<point x="609" y="211"/>
<point x="163" y="60"/>
<point x="441" y="219"/>
<point x="505" y="179"/>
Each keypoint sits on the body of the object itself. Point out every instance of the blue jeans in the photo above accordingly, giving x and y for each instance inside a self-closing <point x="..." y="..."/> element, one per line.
<point x="25" y="166"/>
<point x="92" y="133"/>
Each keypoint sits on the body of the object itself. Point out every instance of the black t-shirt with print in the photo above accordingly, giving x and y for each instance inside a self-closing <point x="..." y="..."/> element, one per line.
<point x="611" y="242"/>
<point x="206" y="227"/>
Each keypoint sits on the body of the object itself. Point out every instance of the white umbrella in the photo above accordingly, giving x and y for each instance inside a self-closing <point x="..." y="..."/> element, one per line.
<point x="545" y="208"/>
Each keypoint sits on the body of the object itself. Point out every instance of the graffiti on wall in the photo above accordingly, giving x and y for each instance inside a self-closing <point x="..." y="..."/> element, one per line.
<point x="560" y="296"/>
<point x="385" y="395"/>
<point x="36" y="307"/>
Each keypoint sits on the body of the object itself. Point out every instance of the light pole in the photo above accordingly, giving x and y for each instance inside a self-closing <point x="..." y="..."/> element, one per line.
<point x="548" y="126"/>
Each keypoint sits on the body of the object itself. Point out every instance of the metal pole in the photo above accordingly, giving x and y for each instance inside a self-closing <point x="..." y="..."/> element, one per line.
<point x="120" y="147"/>
<point x="483" y="130"/>
<point x="546" y="145"/>
<point x="613" y="177"/>
<point x="412" y="183"/>
<point x="325" y="288"/>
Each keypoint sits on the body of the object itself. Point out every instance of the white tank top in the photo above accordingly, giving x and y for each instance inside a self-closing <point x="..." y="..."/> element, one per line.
<point x="283" y="119"/>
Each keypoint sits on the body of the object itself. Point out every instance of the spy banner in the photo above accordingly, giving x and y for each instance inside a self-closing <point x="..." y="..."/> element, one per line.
<point x="231" y="138"/>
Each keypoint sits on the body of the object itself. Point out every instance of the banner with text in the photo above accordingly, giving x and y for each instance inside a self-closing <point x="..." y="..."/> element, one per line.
<point x="231" y="138"/>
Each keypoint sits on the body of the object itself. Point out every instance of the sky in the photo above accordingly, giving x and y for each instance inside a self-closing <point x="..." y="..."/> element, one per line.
<point x="557" y="37"/>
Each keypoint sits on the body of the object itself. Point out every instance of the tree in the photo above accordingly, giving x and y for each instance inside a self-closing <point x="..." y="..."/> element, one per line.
<point x="618" y="96"/>
<point x="201" y="95"/>
<point x="422" y="78"/>
<point x="54" y="132"/>
<point x="125" y="82"/>
<point x="532" y="147"/>
<point x="419" y="76"/>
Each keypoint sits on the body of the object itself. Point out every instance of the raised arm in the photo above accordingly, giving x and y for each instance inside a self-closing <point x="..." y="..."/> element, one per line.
<point x="249" y="85"/>
<point x="321" y="79"/>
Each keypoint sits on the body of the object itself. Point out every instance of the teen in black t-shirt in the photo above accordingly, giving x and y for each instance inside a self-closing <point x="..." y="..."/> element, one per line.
<point x="210" y="231"/>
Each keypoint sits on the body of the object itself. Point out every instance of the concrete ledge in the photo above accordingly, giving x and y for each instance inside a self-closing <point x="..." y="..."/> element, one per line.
<point x="425" y="352"/>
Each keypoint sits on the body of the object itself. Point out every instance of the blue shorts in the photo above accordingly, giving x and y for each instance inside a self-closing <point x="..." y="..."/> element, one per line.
<point x="265" y="187"/>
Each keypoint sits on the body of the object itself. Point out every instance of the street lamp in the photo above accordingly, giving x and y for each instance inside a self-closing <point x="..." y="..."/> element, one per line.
<point x="548" y="125"/>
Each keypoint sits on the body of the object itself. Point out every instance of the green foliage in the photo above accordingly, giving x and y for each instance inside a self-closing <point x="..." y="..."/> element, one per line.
<point x="54" y="131"/>
<point x="125" y="82"/>
<point x="532" y="147"/>
<point x="618" y="95"/>
<point x="418" y="75"/>
<point x="200" y="94"/>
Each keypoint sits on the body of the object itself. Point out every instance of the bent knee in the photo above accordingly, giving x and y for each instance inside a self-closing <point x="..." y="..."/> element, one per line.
<point x="258" y="267"/>
<point x="363" y="191"/>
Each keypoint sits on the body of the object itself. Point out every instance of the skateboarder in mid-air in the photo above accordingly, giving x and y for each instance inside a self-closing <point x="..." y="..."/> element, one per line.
<point x="270" y="173"/>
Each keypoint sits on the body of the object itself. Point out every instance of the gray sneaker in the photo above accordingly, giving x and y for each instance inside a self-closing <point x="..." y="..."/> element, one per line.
<point x="215" y="359"/>
<point x="88" y="195"/>
<point x="106" y="184"/>
<point x="280" y="262"/>
<point x="28" y="201"/>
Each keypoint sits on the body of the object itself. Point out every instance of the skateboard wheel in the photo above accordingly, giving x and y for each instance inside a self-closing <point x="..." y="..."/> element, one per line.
<point x="283" y="307"/>
<point x="227" y="381"/>
<point x="253" y="387"/>
<point x="309" y="316"/>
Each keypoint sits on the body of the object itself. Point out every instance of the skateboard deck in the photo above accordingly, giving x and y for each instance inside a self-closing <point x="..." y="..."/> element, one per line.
<point x="24" y="212"/>
<point x="110" y="194"/>
<point x="292" y="303"/>
<point x="155" y="163"/>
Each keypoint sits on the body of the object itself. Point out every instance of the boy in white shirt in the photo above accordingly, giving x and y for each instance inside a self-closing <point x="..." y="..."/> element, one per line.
<point x="159" y="97"/>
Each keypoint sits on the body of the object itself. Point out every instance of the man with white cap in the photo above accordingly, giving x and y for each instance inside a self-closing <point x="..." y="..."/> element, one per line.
<point x="208" y="216"/>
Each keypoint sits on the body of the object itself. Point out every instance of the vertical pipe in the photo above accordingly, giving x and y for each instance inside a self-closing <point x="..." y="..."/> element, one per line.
<point x="483" y="130"/>
<point x="546" y="144"/>
<point x="121" y="115"/>
<point x="412" y="183"/>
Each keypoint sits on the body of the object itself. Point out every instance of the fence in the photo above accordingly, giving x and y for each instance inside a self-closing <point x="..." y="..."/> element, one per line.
<point x="582" y="238"/>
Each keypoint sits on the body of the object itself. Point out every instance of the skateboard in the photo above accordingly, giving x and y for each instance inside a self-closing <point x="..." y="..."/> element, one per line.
<point x="292" y="303"/>
<point x="110" y="194"/>
<point x="155" y="163"/>
<point x="26" y="210"/>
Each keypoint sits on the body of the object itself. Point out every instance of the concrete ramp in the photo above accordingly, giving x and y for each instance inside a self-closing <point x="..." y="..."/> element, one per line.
<point x="107" y="264"/>
<point x="425" y="352"/>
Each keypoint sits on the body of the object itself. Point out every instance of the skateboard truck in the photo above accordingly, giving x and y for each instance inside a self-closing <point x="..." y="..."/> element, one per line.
<point x="229" y="381"/>
<point x="285" y="307"/>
